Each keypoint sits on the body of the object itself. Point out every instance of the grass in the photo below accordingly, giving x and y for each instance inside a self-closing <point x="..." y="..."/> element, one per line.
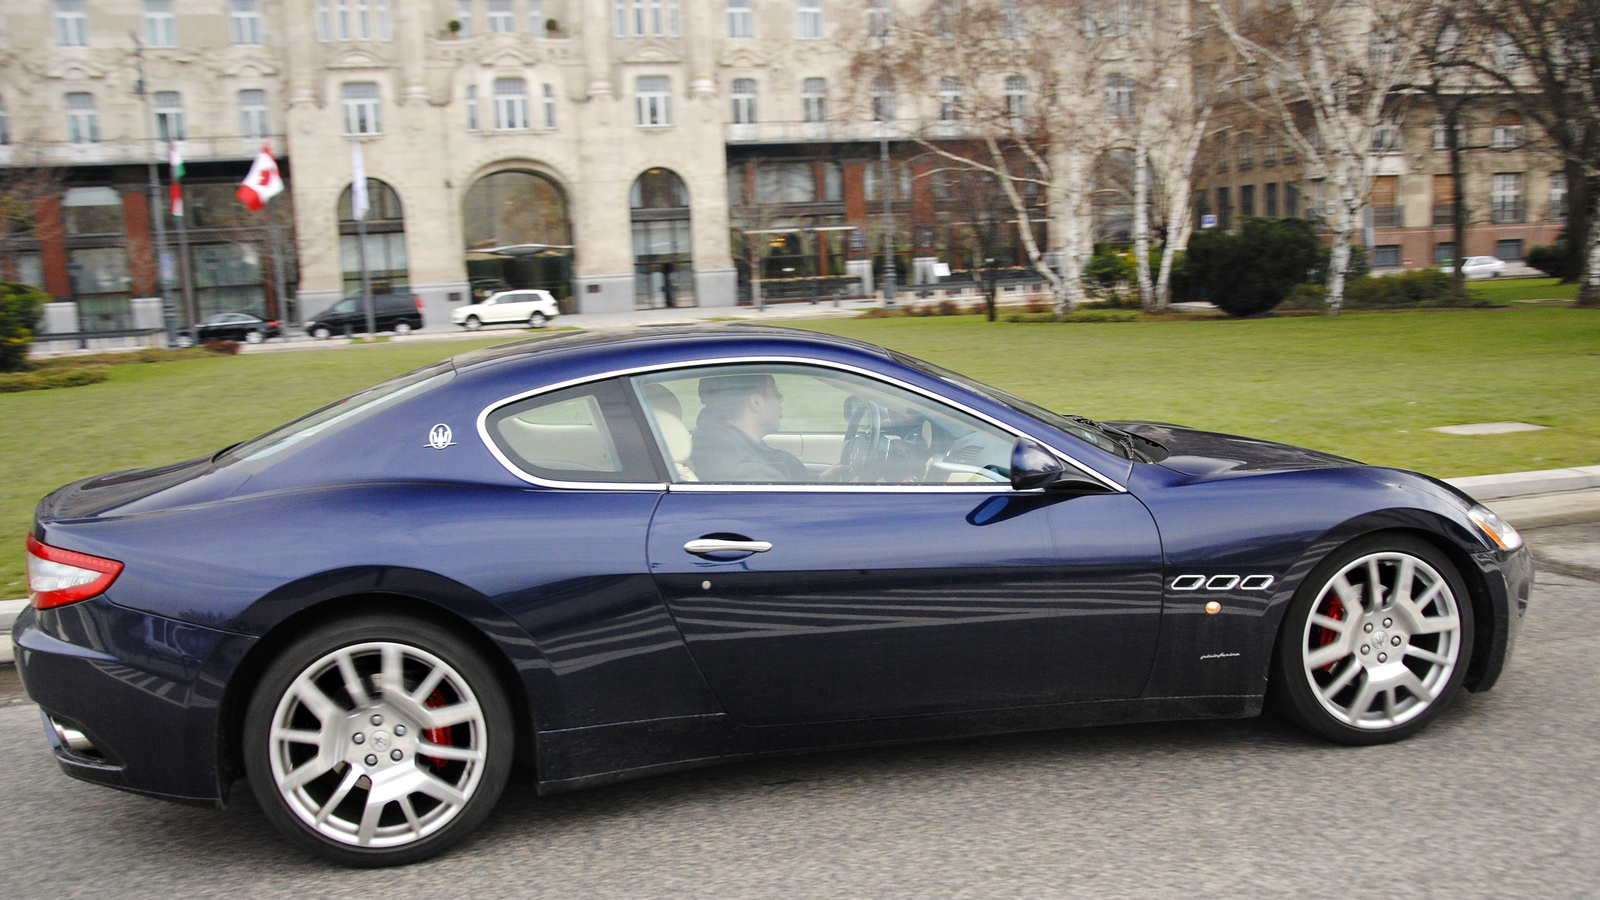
<point x="1364" y="385"/>
<point x="1522" y="290"/>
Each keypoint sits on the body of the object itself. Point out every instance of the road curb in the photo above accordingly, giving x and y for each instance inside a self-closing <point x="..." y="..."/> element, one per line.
<point x="1525" y="499"/>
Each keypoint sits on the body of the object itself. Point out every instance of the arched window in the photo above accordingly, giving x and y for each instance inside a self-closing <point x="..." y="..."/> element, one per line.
<point x="518" y="235"/>
<point x="386" y="242"/>
<point x="663" y="257"/>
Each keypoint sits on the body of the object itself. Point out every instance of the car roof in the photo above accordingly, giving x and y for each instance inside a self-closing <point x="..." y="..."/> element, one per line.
<point x="752" y="339"/>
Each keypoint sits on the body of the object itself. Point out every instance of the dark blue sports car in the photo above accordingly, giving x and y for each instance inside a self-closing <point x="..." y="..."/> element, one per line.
<point x="610" y="556"/>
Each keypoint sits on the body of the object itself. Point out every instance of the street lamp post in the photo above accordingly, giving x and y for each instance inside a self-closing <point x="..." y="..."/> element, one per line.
<point x="888" y="226"/>
<point x="167" y="312"/>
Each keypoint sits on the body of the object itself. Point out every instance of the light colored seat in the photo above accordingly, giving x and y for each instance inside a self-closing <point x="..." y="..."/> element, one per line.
<point x="679" y="443"/>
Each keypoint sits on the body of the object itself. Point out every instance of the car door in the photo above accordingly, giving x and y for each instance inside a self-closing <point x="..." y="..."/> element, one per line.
<point x="932" y="588"/>
<point x="509" y="307"/>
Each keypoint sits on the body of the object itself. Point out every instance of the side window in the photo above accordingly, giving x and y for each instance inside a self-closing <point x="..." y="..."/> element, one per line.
<point x="794" y="424"/>
<point x="585" y="433"/>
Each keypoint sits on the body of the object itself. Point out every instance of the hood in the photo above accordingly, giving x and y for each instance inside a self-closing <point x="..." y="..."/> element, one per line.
<point x="1195" y="452"/>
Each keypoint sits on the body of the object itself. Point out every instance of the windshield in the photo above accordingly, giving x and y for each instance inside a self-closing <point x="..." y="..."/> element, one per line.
<point x="1081" y="430"/>
<point x="334" y="416"/>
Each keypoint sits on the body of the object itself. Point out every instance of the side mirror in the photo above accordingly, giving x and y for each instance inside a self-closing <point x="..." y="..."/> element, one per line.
<point x="1032" y="466"/>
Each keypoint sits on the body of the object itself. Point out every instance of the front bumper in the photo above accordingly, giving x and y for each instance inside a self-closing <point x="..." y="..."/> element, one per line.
<point x="146" y="692"/>
<point x="1508" y="578"/>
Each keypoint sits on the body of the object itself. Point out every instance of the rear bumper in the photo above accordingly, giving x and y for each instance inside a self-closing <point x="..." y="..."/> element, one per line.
<point x="145" y="691"/>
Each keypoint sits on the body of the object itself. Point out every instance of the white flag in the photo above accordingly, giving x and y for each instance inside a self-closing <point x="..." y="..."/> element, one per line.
<point x="263" y="183"/>
<point x="358" y="182"/>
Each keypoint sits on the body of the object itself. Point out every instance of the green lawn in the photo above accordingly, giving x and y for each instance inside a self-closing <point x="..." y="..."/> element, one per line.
<point x="1363" y="385"/>
<point x="1522" y="290"/>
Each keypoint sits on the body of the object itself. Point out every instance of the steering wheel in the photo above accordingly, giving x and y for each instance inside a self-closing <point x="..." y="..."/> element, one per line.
<point x="865" y="450"/>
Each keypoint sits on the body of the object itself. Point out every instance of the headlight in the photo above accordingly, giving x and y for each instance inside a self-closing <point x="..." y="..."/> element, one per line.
<point x="1496" y="529"/>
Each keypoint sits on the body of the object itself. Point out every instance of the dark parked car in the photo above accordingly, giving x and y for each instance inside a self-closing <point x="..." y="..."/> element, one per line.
<point x="399" y="313"/>
<point x="231" y="327"/>
<point x="615" y="555"/>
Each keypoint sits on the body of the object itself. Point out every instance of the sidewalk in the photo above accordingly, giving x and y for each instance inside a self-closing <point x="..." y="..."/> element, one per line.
<point x="1525" y="499"/>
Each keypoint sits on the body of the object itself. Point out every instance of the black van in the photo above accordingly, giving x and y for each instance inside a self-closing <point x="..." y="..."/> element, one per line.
<point x="399" y="313"/>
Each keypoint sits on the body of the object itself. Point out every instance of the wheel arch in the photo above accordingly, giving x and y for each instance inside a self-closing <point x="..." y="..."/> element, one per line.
<point x="247" y="675"/>
<point x="1448" y="537"/>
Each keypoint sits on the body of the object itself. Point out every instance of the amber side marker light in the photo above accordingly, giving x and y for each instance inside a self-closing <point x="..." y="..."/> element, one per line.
<point x="57" y="577"/>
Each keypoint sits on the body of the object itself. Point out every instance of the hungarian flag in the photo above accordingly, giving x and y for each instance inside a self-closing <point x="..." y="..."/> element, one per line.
<point x="175" y="157"/>
<point x="263" y="183"/>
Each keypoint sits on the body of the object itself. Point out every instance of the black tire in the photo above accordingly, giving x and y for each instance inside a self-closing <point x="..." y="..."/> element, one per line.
<point x="538" y="320"/>
<point x="452" y="821"/>
<point x="473" y="323"/>
<point x="321" y="333"/>
<point x="1326" y="708"/>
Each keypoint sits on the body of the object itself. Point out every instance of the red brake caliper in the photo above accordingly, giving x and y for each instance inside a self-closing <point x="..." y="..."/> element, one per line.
<point x="1334" y="611"/>
<point x="440" y="736"/>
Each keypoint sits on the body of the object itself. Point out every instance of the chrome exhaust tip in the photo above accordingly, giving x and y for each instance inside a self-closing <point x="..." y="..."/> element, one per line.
<point x="71" y="738"/>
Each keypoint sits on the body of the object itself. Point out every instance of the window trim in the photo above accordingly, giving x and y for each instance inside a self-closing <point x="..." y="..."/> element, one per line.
<point x="494" y="449"/>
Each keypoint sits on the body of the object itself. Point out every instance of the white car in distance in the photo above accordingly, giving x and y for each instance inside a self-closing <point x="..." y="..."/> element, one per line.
<point x="535" y="308"/>
<point x="1478" y="267"/>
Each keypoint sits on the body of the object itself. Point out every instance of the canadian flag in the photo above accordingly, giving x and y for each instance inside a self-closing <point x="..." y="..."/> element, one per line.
<point x="263" y="183"/>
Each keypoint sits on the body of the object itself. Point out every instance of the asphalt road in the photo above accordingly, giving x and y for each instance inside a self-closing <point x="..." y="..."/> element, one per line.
<point x="1499" y="798"/>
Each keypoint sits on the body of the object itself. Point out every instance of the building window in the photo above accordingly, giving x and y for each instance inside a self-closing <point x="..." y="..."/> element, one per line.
<point x="792" y="182"/>
<point x="83" y="125"/>
<point x="619" y="27"/>
<point x="814" y="99"/>
<point x="1385" y="139"/>
<point x="1291" y="200"/>
<point x="810" y="25"/>
<point x="744" y="101"/>
<point x="1441" y="135"/>
<point x="1119" y="97"/>
<point x="880" y="18"/>
<point x="741" y="21"/>
<point x="72" y="23"/>
<point x="550" y="107"/>
<point x="253" y="120"/>
<point x="1507" y="56"/>
<point x="1016" y="98"/>
<point x="653" y="94"/>
<point x="510" y="104"/>
<point x="1271" y="198"/>
<point x="387" y="268"/>
<point x="324" y="21"/>
<point x="1224" y="209"/>
<point x="1247" y="151"/>
<point x="1269" y="150"/>
<point x="1509" y="251"/>
<point x="1507" y="132"/>
<point x="160" y="24"/>
<point x="646" y="17"/>
<point x="1247" y="200"/>
<point x="362" y="108"/>
<point x="1011" y="20"/>
<point x="370" y="18"/>
<point x="499" y="17"/>
<point x="883" y="99"/>
<point x="464" y="18"/>
<point x="472" y="107"/>
<point x="949" y="100"/>
<point x="1558" y="188"/>
<point x="1386" y="256"/>
<point x="536" y="26"/>
<point x="1506" y="203"/>
<point x="244" y="22"/>
<point x="1444" y="252"/>
<point x="169" y="116"/>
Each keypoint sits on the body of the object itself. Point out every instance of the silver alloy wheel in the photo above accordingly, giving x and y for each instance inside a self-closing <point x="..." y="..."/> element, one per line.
<point x="473" y="323"/>
<point x="402" y="328"/>
<point x="537" y="320"/>
<point x="254" y="337"/>
<point x="1382" y="640"/>
<point x="377" y="744"/>
<point x="321" y="333"/>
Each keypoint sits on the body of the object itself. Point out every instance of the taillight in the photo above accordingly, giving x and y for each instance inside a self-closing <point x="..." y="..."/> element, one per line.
<point x="57" y="577"/>
<point x="419" y="303"/>
<point x="273" y="324"/>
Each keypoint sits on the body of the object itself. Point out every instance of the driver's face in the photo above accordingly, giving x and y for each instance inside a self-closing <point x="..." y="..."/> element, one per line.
<point x="769" y="407"/>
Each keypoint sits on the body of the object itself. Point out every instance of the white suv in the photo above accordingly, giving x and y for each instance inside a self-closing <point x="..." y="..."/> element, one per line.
<point x="536" y="308"/>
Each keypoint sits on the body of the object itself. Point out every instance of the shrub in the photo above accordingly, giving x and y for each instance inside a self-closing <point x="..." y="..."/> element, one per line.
<point x="226" y="348"/>
<point x="20" y="305"/>
<point x="13" y="382"/>
<point x="1553" y="259"/>
<point x="1109" y="268"/>
<point x="1306" y="296"/>
<point x="1249" y="273"/>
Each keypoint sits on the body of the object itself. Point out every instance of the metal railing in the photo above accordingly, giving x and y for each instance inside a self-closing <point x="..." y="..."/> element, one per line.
<point x="1508" y="212"/>
<point x="1387" y="217"/>
<point x="1444" y="213"/>
<point x="133" y="150"/>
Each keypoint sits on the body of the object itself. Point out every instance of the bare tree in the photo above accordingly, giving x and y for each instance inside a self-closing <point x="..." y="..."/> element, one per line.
<point x="1330" y="70"/>
<point x="22" y="187"/>
<point x="1013" y="89"/>
<point x="1543" y="56"/>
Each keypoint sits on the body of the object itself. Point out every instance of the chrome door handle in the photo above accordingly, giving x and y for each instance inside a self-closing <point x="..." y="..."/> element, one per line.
<point x="703" y="546"/>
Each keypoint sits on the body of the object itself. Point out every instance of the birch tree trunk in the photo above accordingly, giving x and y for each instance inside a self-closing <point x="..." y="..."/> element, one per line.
<point x="1141" y="218"/>
<point x="1069" y="287"/>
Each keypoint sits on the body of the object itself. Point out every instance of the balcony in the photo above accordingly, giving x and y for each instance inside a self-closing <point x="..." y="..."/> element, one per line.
<point x="1508" y="212"/>
<point x="792" y="132"/>
<point x="1444" y="213"/>
<point x="134" y="150"/>
<point x="1387" y="217"/>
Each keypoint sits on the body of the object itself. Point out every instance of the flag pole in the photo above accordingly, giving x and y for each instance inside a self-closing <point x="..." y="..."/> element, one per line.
<point x="175" y="164"/>
<point x="358" y="208"/>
